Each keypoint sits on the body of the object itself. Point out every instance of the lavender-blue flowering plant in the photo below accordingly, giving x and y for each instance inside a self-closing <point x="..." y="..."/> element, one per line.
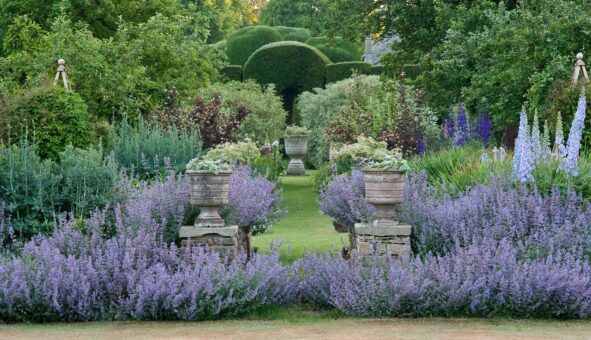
<point x="570" y="162"/>
<point x="344" y="199"/>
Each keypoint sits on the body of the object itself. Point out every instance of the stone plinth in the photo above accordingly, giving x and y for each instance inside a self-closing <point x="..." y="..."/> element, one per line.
<point x="224" y="239"/>
<point x="382" y="240"/>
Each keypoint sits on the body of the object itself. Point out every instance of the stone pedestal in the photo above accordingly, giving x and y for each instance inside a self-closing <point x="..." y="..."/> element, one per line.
<point x="225" y="239"/>
<point x="380" y="240"/>
<point x="295" y="148"/>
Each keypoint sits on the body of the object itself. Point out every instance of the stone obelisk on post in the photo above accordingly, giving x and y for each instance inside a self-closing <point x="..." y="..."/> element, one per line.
<point x="580" y="66"/>
<point x="61" y="72"/>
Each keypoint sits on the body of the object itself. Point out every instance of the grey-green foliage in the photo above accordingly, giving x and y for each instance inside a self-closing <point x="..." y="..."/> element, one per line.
<point x="36" y="191"/>
<point x="151" y="151"/>
<point x="317" y="106"/>
<point x="266" y="120"/>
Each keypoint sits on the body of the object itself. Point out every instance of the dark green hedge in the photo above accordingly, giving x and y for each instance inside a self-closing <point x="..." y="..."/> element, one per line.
<point x="290" y="65"/>
<point x="377" y="70"/>
<point x="337" y="49"/>
<point x="242" y="43"/>
<point x="232" y="72"/>
<point x="293" y="33"/>
<point x="340" y="71"/>
<point x="52" y="117"/>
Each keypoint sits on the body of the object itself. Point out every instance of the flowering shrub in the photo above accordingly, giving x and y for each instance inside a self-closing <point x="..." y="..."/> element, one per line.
<point x="253" y="201"/>
<point x="489" y="279"/>
<point x="245" y="152"/>
<point x="343" y="199"/>
<point x="81" y="275"/>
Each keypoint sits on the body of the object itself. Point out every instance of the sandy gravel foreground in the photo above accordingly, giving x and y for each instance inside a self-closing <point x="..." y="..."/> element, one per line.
<point x="340" y="329"/>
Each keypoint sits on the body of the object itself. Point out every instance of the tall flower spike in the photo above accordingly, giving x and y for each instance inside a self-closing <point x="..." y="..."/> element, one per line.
<point x="573" y="145"/>
<point x="559" y="150"/>
<point x="546" y="151"/>
<point x="526" y="161"/>
<point x="421" y="149"/>
<point x="463" y="134"/>
<point x="483" y="129"/>
<point x="536" y="140"/>
<point x="520" y="136"/>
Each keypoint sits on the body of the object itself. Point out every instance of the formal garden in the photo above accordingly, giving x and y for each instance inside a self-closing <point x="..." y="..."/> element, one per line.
<point x="312" y="162"/>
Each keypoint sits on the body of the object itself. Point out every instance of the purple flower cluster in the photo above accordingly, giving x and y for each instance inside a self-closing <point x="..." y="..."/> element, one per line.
<point x="489" y="279"/>
<point x="483" y="131"/>
<point x="253" y="200"/>
<point x="421" y="149"/>
<point x="570" y="162"/>
<point x="463" y="133"/>
<point x="81" y="273"/>
<point x="343" y="199"/>
<point x="494" y="251"/>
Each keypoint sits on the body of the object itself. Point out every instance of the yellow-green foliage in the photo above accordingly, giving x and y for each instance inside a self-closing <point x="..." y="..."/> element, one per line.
<point x="51" y="117"/>
<point x="242" y="43"/>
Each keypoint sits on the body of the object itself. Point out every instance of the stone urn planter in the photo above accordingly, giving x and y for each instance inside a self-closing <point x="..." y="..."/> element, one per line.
<point x="295" y="148"/>
<point x="208" y="192"/>
<point x="384" y="189"/>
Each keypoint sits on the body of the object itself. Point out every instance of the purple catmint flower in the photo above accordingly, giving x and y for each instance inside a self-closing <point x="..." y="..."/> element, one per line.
<point x="570" y="162"/>
<point x="463" y="133"/>
<point x="421" y="149"/>
<point x="343" y="199"/>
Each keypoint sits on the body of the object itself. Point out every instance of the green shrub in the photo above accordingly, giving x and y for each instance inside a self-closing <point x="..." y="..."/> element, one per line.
<point x="288" y="65"/>
<point x="52" y="117"/>
<point x="151" y="151"/>
<point x="344" y="70"/>
<point x="242" y="43"/>
<point x="36" y="191"/>
<point x="233" y="72"/>
<point x="319" y="105"/>
<point x="293" y="33"/>
<point x="337" y="49"/>
<point x="266" y="120"/>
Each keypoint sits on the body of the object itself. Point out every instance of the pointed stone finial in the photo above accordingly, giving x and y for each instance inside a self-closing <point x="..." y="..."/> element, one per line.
<point x="61" y="71"/>
<point x="580" y="66"/>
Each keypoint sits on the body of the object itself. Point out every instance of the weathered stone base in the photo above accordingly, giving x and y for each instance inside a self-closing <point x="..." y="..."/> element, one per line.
<point x="391" y="240"/>
<point x="296" y="168"/>
<point x="221" y="239"/>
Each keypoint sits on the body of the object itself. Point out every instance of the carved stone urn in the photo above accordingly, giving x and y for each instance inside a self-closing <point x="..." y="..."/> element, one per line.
<point x="209" y="192"/>
<point x="384" y="189"/>
<point x="383" y="235"/>
<point x="296" y="148"/>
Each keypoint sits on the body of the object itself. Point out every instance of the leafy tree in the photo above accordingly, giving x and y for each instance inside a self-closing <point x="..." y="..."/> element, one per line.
<point x="311" y="14"/>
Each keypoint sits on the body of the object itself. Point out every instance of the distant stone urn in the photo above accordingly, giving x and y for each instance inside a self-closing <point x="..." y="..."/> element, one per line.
<point x="296" y="148"/>
<point x="384" y="189"/>
<point x="209" y="191"/>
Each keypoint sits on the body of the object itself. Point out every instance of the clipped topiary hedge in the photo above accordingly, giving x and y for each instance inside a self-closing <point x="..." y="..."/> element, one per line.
<point x="337" y="49"/>
<point x="340" y="71"/>
<point x="293" y="33"/>
<point x="232" y="72"/>
<point x="288" y="65"/>
<point x="52" y="117"/>
<point x="242" y="43"/>
<point x="377" y="70"/>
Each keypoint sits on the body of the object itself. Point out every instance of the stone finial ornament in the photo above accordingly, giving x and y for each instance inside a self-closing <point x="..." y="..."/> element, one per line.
<point x="61" y="71"/>
<point x="580" y="66"/>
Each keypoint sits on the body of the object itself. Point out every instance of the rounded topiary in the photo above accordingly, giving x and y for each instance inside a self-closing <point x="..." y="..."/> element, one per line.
<point x="242" y="43"/>
<point x="232" y="72"/>
<point x="340" y="71"/>
<point x="288" y="65"/>
<point x="337" y="49"/>
<point x="293" y="33"/>
<point x="52" y="117"/>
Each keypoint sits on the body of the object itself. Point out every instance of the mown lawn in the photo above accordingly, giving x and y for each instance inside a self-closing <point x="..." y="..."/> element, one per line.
<point x="304" y="227"/>
<point x="297" y="323"/>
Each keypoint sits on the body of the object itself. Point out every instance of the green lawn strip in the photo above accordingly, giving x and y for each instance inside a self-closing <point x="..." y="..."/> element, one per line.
<point x="304" y="226"/>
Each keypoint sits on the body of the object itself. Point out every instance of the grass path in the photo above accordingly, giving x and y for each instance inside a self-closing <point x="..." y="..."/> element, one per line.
<point x="303" y="227"/>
